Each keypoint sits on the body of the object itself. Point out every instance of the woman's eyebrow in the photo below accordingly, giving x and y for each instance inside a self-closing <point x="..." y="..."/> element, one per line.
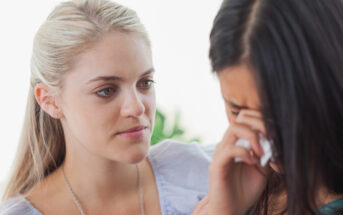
<point x="234" y="105"/>
<point x="116" y="78"/>
<point x="105" y="78"/>
<point x="149" y="71"/>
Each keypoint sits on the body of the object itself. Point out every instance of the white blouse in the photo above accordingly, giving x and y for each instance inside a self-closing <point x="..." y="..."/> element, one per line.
<point x="181" y="172"/>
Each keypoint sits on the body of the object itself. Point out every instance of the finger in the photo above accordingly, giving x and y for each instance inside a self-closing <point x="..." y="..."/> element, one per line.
<point x="205" y="199"/>
<point x="229" y="138"/>
<point x="229" y="153"/>
<point x="201" y="211"/>
<point x="204" y="210"/>
<point x="249" y="112"/>
<point x="253" y="122"/>
<point x="244" y="155"/>
<point x="200" y="208"/>
<point x="245" y="132"/>
<point x="237" y="131"/>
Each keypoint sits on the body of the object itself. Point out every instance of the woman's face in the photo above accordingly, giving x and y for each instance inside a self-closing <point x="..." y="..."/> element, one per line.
<point x="108" y="99"/>
<point x="239" y="92"/>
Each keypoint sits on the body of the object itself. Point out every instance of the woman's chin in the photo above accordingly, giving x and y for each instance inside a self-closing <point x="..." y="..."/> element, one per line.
<point x="135" y="155"/>
<point x="134" y="159"/>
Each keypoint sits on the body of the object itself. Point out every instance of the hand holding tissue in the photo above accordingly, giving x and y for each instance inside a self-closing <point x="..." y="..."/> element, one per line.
<point x="267" y="146"/>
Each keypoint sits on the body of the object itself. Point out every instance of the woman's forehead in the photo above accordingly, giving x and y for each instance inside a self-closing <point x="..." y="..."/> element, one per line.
<point x="238" y="86"/>
<point x="117" y="54"/>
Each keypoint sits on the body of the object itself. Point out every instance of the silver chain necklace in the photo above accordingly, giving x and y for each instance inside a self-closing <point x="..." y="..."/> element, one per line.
<point x="78" y="204"/>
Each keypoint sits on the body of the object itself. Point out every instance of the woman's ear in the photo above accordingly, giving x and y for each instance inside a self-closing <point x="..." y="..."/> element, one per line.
<point x="47" y="100"/>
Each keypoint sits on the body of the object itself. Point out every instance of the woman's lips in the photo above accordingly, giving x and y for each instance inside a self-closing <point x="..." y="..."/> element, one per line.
<point x="133" y="133"/>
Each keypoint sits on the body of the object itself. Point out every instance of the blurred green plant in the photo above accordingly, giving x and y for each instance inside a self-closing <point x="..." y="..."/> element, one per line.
<point x="161" y="131"/>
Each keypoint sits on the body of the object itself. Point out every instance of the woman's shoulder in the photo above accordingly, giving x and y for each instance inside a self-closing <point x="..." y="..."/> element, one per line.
<point x="332" y="208"/>
<point x="18" y="205"/>
<point x="181" y="172"/>
<point x="177" y="158"/>
<point x="170" y="149"/>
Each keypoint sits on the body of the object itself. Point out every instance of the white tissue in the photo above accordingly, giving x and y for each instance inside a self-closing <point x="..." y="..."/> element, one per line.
<point x="266" y="146"/>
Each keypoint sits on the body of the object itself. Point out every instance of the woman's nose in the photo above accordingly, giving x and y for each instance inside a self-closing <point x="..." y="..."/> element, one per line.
<point x="132" y="105"/>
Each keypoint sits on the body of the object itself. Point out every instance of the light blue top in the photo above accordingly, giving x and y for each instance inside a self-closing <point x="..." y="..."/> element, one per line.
<point x="332" y="208"/>
<point x="181" y="172"/>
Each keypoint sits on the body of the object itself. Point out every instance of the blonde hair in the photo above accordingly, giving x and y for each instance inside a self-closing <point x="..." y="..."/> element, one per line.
<point x="69" y="30"/>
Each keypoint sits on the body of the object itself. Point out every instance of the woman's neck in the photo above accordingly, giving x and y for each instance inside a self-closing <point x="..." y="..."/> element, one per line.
<point x="99" y="178"/>
<point x="99" y="189"/>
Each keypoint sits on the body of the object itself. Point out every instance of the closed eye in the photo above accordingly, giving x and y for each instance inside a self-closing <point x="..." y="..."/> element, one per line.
<point x="235" y="113"/>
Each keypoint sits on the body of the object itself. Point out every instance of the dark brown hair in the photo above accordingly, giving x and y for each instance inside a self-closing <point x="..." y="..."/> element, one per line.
<point x="295" y="48"/>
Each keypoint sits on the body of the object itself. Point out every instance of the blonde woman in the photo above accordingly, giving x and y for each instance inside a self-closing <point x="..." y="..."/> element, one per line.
<point x="84" y="148"/>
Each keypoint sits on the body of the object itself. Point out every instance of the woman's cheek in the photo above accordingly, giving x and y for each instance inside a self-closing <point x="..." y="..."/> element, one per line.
<point x="231" y="117"/>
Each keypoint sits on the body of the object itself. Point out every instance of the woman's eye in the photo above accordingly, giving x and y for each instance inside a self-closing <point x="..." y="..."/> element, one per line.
<point x="107" y="92"/>
<point x="146" y="84"/>
<point x="235" y="113"/>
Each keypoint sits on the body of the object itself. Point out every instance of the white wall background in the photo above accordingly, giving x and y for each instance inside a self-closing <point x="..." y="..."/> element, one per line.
<point x="179" y="31"/>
